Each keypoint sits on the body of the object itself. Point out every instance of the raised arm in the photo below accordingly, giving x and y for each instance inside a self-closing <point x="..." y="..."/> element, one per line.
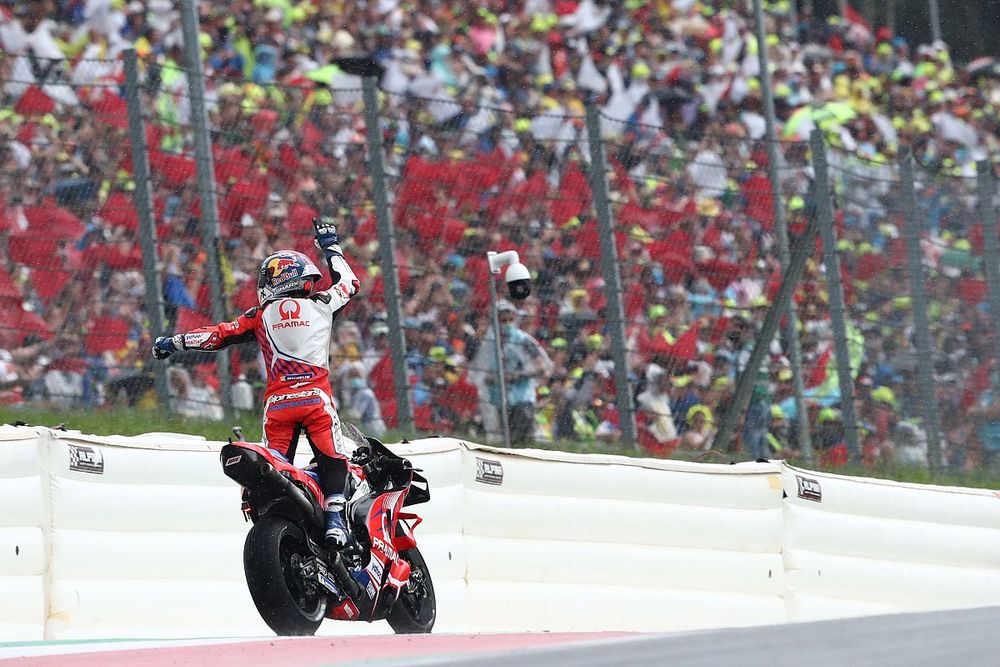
<point x="345" y="282"/>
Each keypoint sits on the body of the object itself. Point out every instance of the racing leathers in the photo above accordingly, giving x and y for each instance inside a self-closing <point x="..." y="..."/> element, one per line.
<point x="294" y="335"/>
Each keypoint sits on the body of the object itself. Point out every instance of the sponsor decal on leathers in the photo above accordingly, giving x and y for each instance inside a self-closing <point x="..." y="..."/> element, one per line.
<point x="293" y="400"/>
<point x="289" y="312"/>
<point x="202" y="340"/>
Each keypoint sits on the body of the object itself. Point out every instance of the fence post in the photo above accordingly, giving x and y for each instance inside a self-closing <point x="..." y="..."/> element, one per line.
<point x="612" y="278"/>
<point x="744" y="383"/>
<point x="206" y="185"/>
<point x="824" y="214"/>
<point x="921" y="328"/>
<point x="142" y="198"/>
<point x="935" y="12"/>
<point x="781" y="227"/>
<point x="991" y="255"/>
<point x="387" y="255"/>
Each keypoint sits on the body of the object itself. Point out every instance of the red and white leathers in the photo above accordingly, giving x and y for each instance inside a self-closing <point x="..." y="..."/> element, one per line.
<point x="294" y="336"/>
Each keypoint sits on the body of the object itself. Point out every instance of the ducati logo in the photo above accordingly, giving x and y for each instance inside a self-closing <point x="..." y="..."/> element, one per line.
<point x="289" y="310"/>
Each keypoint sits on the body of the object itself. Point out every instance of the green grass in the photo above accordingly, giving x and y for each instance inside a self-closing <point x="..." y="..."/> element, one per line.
<point x="133" y="422"/>
<point x="130" y="422"/>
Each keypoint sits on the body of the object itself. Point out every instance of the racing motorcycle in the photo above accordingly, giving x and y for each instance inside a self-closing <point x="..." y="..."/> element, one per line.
<point x="294" y="581"/>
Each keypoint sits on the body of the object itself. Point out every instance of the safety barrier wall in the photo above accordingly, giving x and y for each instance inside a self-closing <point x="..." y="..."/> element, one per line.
<point x="24" y="516"/>
<point x="862" y="546"/>
<point x="568" y="542"/>
<point x="142" y="537"/>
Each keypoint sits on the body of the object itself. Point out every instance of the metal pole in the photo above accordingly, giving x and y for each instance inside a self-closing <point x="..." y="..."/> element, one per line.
<point x="744" y="383"/>
<point x="991" y="255"/>
<point x="206" y="185"/>
<point x="781" y="227"/>
<point x="498" y="350"/>
<point x="831" y="261"/>
<point x="935" y="12"/>
<point x="387" y="256"/>
<point x="890" y="15"/>
<point x="921" y="328"/>
<point x="142" y="198"/>
<point x="612" y="278"/>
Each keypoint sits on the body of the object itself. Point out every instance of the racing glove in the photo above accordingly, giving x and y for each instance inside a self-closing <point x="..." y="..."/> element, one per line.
<point x="327" y="238"/>
<point x="164" y="346"/>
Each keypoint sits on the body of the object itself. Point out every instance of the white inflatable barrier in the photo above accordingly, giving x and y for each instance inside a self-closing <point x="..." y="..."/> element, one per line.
<point x="858" y="546"/>
<point x="563" y="542"/>
<point x="143" y="537"/>
<point x="24" y="517"/>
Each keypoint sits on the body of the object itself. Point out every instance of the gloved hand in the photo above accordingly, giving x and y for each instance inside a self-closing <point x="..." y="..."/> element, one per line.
<point x="164" y="346"/>
<point x="327" y="238"/>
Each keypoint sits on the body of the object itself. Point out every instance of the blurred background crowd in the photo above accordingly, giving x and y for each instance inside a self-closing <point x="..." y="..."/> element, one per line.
<point x="486" y="149"/>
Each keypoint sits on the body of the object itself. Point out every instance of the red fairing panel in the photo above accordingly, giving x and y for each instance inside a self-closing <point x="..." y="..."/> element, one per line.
<point x="404" y="534"/>
<point x="346" y="611"/>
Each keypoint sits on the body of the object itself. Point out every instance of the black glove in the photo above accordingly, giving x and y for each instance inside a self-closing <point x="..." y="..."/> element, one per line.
<point x="164" y="346"/>
<point x="327" y="238"/>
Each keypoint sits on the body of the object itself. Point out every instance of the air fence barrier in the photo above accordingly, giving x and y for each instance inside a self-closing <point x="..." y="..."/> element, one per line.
<point x="143" y="536"/>
<point x="692" y="219"/>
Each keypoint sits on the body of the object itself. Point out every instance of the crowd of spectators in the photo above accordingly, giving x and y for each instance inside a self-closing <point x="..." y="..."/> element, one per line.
<point x="486" y="149"/>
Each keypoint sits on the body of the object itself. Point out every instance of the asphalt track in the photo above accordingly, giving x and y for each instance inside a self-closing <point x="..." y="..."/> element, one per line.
<point x="966" y="637"/>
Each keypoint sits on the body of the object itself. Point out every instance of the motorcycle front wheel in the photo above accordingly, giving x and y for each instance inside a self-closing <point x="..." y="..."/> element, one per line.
<point x="416" y="609"/>
<point x="272" y="557"/>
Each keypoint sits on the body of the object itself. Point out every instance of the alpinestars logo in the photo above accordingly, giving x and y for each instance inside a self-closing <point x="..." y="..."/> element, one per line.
<point x="289" y="310"/>
<point x="204" y="340"/>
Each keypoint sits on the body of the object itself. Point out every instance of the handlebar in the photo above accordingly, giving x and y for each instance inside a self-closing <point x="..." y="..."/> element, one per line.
<point x="378" y="466"/>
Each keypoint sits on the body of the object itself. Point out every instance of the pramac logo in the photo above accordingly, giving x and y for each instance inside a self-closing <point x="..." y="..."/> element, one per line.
<point x="289" y="310"/>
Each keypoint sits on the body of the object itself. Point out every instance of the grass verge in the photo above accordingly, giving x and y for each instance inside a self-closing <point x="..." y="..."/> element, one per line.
<point x="116" y="421"/>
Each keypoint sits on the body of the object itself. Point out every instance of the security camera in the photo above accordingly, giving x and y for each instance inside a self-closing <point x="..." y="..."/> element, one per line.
<point x="518" y="281"/>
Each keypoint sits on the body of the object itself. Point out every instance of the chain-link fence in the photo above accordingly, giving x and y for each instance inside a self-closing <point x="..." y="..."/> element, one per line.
<point x="73" y="326"/>
<point x="896" y="417"/>
<point x="468" y="180"/>
<point x="696" y="250"/>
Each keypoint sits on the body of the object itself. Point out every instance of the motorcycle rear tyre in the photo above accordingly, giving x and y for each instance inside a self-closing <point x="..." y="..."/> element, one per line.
<point x="401" y="617"/>
<point x="266" y="563"/>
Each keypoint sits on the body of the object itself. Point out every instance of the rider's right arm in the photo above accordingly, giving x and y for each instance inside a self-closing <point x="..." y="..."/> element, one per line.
<point x="220" y="336"/>
<point x="345" y="283"/>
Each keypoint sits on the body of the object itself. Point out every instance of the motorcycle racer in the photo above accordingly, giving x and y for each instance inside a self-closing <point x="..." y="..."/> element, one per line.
<point x="293" y="325"/>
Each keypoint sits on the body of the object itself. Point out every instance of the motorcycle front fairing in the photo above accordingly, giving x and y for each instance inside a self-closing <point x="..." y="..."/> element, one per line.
<point x="375" y="510"/>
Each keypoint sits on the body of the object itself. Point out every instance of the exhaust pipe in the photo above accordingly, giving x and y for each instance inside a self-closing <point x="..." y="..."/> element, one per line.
<point x="309" y="510"/>
<point x="249" y="470"/>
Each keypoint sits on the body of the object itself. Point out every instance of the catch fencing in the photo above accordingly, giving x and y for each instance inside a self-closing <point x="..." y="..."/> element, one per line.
<point x="677" y="293"/>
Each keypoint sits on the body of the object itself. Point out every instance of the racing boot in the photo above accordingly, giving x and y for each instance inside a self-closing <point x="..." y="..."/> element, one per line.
<point x="338" y="537"/>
